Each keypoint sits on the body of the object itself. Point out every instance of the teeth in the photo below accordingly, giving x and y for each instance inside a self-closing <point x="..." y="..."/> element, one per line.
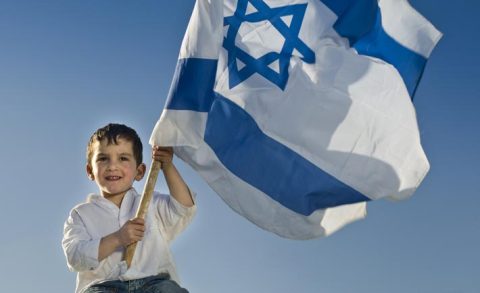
<point x="113" y="177"/>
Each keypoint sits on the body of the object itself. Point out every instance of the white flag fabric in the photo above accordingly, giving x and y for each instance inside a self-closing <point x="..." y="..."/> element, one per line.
<point x="298" y="112"/>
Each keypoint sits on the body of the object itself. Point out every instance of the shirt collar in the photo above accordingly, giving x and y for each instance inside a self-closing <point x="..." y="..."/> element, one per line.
<point x="126" y="207"/>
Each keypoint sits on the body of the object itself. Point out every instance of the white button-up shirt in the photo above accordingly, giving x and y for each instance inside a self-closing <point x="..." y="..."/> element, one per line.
<point x="99" y="217"/>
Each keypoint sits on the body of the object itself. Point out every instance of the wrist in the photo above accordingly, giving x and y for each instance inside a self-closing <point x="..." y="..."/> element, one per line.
<point x="117" y="240"/>
<point x="167" y="166"/>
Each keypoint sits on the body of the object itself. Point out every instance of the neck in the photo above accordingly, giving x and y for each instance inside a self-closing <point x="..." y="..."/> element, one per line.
<point x="115" y="198"/>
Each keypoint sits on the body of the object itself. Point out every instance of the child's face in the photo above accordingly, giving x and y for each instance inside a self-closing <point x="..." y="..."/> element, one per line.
<point x="114" y="168"/>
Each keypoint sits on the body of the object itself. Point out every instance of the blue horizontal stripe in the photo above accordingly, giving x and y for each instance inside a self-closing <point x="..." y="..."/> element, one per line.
<point x="270" y="166"/>
<point x="360" y="22"/>
<point x="248" y="153"/>
<point x="192" y="85"/>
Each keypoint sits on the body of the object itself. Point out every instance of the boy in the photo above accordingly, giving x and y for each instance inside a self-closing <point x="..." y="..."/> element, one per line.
<point x="97" y="232"/>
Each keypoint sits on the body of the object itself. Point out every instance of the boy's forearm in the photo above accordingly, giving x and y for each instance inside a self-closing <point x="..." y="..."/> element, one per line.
<point x="178" y="188"/>
<point x="108" y="245"/>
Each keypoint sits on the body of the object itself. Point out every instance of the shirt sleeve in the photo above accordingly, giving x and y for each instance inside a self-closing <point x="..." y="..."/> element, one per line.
<point x="174" y="216"/>
<point x="80" y="249"/>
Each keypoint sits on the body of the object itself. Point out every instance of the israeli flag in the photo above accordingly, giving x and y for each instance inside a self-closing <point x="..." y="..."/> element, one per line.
<point x="298" y="112"/>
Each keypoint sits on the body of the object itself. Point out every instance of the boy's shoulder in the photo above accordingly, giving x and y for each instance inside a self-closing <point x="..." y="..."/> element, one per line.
<point x="87" y="205"/>
<point x="158" y="195"/>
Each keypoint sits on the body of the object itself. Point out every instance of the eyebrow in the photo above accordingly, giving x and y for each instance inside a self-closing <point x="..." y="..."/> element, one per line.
<point x="121" y="154"/>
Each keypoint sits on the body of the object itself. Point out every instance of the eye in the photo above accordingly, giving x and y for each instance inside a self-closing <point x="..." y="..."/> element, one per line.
<point x="125" y="159"/>
<point x="101" y="159"/>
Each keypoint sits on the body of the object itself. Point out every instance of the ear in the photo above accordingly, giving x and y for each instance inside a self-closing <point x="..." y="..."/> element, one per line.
<point x="89" y="170"/>
<point x="140" y="172"/>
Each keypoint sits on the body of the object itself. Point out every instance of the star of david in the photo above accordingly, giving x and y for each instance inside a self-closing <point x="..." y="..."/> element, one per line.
<point x="261" y="65"/>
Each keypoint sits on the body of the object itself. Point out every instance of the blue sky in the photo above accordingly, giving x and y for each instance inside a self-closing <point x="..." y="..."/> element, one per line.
<point x="68" y="67"/>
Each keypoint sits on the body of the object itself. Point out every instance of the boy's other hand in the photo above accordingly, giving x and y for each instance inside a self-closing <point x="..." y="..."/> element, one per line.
<point x="132" y="231"/>
<point x="162" y="154"/>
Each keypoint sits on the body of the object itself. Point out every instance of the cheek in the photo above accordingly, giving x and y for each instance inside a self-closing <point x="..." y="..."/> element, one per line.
<point x="131" y="170"/>
<point x="97" y="169"/>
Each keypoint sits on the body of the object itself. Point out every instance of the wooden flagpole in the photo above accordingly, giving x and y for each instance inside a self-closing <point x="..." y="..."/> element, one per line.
<point x="144" y="203"/>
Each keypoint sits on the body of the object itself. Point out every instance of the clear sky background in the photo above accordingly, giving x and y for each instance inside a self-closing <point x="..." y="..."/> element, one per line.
<point x="68" y="67"/>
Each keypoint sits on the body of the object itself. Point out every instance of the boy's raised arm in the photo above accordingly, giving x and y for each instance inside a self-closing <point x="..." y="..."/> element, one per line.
<point x="178" y="188"/>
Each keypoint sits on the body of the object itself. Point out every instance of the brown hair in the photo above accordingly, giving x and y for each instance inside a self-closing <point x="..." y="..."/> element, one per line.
<point x="112" y="132"/>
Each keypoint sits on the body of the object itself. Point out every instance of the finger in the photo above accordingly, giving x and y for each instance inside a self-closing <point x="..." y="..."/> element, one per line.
<point x="163" y="150"/>
<point x="163" y="154"/>
<point x="140" y="228"/>
<point x="137" y="224"/>
<point x="135" y="230"/>
<point x="139" y="221"/>
<point x="137" y="238"/>
<point x="163" y="159"/>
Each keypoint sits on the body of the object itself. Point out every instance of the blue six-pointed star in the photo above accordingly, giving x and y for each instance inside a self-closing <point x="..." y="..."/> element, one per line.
<point x="261" y="65"/>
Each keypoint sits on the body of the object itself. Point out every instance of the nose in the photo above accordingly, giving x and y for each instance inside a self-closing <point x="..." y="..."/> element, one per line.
<point x="113" y="165"/>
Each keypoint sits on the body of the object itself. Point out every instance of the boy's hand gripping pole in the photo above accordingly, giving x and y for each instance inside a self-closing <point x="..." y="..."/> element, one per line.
<point x="144" y="203"/>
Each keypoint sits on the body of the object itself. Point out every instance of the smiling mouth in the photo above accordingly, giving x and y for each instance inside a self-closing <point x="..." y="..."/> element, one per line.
<point x="113" y="178"/>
